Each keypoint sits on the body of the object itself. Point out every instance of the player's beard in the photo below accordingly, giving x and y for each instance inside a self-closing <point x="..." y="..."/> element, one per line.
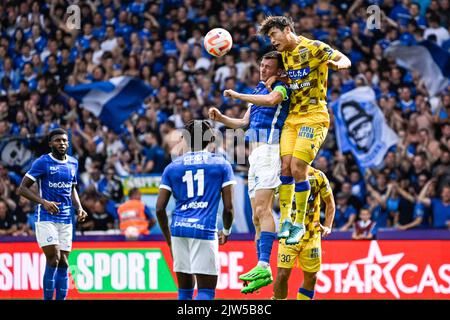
<point x="58" y="154"/>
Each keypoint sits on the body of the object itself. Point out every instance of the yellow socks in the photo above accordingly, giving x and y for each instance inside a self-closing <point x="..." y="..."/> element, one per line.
<point x="286" y="195"/>
<point x="302" y="192"/>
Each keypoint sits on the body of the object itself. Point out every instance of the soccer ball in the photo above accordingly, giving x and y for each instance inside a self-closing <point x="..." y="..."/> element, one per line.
<point x="218" y="42"/>
<point x="131" y="233"/>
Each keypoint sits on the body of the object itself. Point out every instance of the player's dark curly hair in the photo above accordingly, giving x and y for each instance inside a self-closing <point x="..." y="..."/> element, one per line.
<point x="200" y="134"/>
<point x="56" y="132"/>
<point x="279" y="22"/>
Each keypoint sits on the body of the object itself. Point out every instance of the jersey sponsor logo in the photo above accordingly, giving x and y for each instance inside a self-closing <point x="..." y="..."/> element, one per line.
<point x="186" y="224"/>
<point x="299" y="74"/>
<point x="195" y="159"/>
<point x="297" y="86"/>
<point x="195" y="205"/>
<point x="306" y="132"/>
<point x="60" y="185"/>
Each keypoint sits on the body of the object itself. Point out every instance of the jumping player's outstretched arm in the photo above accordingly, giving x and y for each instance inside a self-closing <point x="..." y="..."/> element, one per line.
<point x="271" y="99"/>
<point x="25" y="191"/>
<point x="161" y="204"/>
<point x="233" y="123"/>
<point x="228" y="213"/>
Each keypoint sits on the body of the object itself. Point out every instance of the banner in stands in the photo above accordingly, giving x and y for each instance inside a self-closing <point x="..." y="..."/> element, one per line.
<point x="390" y="269"/>
<point x="15" y="153"/>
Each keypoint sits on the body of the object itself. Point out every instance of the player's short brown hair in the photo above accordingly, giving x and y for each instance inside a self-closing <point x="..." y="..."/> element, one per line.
<point x="275" y="55"/>
<point x="279" y="22"/>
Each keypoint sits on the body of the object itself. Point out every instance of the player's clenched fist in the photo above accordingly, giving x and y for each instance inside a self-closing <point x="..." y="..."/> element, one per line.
<point x="214" y="114"/>
<point x="230" y="93"/>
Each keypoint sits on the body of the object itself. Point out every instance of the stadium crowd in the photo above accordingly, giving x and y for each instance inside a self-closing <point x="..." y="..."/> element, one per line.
<point x="161" y="42"/>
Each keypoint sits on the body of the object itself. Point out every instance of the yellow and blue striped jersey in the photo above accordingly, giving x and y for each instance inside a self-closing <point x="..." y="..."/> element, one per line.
<point x="307" y="70"/>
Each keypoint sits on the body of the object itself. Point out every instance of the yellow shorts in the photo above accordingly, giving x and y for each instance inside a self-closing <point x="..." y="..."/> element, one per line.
<point x="309" y="255"/>
<point x="302" y="137"/>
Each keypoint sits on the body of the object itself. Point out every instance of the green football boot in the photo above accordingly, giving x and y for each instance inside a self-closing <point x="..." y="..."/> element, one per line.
<point x="256" y="273"/>
<point x="255" y="285"/>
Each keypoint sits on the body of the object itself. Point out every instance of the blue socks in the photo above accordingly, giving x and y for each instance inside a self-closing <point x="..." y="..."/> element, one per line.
<point x="265" y="245"/>
<point x="302" y="186"/>
<point x="185" y="294"/>
<point x="205" y="294"/>
<point x="62" y="283"/>
<point x="287" y="179"/>
<point x="49" y="282"/>
<point x="258" y="250"/>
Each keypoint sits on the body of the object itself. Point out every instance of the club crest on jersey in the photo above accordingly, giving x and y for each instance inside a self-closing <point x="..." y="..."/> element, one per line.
<point x="304" y="55"/>
<point x="298" y="74"/>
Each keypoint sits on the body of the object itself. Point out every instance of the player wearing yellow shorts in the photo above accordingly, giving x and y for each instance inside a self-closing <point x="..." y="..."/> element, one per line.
<point x="308" y="251"/>
<point x="306" y="63"/>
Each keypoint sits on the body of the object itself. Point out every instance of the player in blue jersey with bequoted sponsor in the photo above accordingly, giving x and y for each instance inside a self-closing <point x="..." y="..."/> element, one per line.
<point x="264" y="119"/>
<point x="197" y="180"/>
<point x="56" y="176"/>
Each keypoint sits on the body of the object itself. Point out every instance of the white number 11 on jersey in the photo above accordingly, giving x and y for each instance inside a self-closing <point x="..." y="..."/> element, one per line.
<point x="189" y="179"/>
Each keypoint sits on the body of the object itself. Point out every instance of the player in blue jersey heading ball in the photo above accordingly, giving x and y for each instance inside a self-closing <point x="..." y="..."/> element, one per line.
<point x="56" y="176"/>
<point x="197" y="180"/>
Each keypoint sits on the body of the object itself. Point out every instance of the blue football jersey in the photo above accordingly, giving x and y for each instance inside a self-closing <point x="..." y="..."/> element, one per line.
<point x="196" y="180"/>
<point x="55" y="179"/>
<point x="266" y="122"/>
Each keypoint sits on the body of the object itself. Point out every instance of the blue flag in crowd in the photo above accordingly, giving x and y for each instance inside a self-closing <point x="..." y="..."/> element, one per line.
<point x="428" y="59"/>
<point x="112" y="101"/>
<point x="361" y="127"/>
